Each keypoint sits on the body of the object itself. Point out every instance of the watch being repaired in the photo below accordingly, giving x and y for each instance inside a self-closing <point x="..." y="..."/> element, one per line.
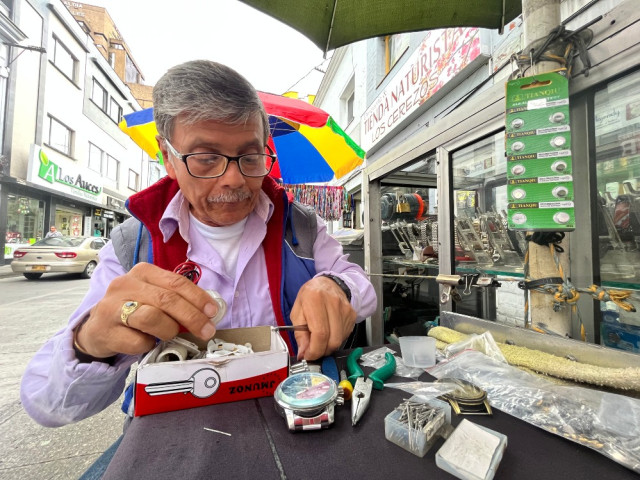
<point x="467" y="399"/>
<point x="306" y="400"/>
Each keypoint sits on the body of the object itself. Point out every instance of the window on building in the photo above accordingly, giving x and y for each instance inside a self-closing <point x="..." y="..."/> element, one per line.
<point x="130" y="71"/>
<point x="103" y="163"/>
<point x="63" y="59"/>
<point x="347" y="99"/>
<point x="95" y="158"/>
<point x="99" y="95"/>
<point x="84" y="27"/>
<point x="59" y="136"/>
<point x="107" y="104"/>
<point x="156" y="172"/>
<point x="134" y="181"/>
<point x="115" y="110"/>
<point x="111" y="168"/>
<point x="394" y="47"/>
<point x="350" y="102"/>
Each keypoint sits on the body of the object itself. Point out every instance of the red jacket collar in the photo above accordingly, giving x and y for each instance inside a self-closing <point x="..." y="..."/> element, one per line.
<point x="149" y="205"/>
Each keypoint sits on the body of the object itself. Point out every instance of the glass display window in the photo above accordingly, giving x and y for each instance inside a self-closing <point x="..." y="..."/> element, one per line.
<point x="485" y="251"/>
<point x="617" y="140"/>
<point x="409" y="230"/>
<point x="25" y="222"/>
<point x="69" y="222"/>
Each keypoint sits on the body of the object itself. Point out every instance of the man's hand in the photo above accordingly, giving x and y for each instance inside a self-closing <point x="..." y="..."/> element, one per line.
<point x="167" y="300"/>
<point x="323" y="307"/>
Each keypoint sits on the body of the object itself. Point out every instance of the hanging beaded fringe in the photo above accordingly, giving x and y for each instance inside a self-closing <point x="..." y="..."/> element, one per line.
<point x="327" y="201"/>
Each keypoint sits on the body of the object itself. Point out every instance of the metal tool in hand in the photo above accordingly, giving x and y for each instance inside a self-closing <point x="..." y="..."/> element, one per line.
<point x="297" y="328"/>
<point x="362" y="387"/>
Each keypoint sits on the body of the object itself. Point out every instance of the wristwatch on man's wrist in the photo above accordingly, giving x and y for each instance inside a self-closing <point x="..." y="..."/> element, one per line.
<point x="343" y="286"/>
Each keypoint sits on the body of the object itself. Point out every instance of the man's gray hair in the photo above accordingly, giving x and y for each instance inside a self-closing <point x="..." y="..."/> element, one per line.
<point x="204" y="90"/>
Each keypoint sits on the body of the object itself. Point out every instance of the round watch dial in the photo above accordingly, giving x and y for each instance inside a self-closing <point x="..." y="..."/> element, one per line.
<point x="306" y="391"/>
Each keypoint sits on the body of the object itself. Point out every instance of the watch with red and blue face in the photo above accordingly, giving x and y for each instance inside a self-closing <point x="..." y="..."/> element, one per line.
<point x="307" y="400"/>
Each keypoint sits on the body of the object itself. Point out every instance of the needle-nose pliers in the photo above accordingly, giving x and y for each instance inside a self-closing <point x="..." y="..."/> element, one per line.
<point x="362" y="388"/>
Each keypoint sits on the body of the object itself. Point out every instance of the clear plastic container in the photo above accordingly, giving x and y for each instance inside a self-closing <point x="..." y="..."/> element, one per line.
<point x="418" y="351"/>
<point x="416" y="441"/>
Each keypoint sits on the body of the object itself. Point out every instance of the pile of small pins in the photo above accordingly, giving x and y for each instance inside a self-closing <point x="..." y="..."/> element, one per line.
<point x="417" y="415"/>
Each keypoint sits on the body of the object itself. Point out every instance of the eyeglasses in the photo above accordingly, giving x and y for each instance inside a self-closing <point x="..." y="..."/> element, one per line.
<point x="213" y="165"/>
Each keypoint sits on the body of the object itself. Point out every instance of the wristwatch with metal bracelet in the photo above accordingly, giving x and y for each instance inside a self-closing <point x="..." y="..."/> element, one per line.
<point x="307" y="399"/>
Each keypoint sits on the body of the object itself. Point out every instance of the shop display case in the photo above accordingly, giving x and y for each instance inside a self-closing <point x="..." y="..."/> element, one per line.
<point x="486" y="253"/>
<point x="617" y="172"/>
<point x="409" y="243"/>
<point x="617" y="129"/>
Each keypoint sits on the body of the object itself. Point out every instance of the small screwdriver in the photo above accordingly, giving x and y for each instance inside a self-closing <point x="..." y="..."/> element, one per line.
<point x="346" y="385"/>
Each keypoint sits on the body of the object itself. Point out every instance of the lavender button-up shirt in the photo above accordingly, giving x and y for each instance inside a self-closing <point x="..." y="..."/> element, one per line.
<point x="57" y="389"/>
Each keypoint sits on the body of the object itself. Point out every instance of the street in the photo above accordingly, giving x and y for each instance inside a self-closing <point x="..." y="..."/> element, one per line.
<point x="31" y="312"/>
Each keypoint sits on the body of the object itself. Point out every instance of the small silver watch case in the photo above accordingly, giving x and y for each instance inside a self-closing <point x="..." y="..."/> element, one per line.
<point x="306" y="400"/>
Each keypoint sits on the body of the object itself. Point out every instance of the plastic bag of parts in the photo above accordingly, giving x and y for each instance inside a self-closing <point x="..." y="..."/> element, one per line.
<point x="424" y="390"/>
<point x="375" y="359"/>
<point x="606" y="422"/>
<point x="482" y="343"/>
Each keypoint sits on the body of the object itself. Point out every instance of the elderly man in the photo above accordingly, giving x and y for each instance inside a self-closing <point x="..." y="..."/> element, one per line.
<point x="220" y="219"/>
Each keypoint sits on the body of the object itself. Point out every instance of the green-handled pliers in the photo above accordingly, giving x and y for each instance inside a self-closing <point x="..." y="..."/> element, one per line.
<point x="362" y="388"/>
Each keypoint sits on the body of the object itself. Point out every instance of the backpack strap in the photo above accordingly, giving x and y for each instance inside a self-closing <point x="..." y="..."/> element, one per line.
<point x="131" y="242"/>
<point x="302" y="229"/>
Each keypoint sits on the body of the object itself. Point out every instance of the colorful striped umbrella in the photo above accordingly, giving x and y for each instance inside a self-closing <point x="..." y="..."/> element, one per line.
<point x="310" y="145"/>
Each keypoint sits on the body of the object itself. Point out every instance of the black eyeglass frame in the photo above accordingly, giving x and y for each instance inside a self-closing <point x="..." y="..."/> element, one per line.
<point x="229" y="158"/>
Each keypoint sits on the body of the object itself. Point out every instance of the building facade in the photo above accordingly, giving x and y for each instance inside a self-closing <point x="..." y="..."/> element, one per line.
<point x="430" y="110"/>
<point x="99" y="25"/>
<point x="67" y="163"/>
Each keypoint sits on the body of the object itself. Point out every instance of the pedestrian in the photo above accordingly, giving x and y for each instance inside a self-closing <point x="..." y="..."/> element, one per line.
<point x="53" y="232"/>
<point x="237" y="230"/>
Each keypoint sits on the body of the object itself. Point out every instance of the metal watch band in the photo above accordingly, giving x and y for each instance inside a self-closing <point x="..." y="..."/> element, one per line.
<point x="322" y="420"/>
<point x="340" y="283"/>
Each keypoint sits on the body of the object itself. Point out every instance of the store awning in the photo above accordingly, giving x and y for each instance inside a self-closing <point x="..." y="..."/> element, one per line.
<point x="332" y="23"/>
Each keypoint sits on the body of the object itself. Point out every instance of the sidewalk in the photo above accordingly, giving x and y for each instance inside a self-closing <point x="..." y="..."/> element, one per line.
<point x="5" y="271"/>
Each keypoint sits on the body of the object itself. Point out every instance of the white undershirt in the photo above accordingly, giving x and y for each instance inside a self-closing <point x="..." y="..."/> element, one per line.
<point x="225" y="241"/>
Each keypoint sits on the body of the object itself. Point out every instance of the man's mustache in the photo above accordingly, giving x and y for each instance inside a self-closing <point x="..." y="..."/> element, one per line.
<point x="230" y="197"/>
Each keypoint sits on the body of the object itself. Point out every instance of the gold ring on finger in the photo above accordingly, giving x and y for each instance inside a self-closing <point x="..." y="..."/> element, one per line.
<point x="127" y="309"/>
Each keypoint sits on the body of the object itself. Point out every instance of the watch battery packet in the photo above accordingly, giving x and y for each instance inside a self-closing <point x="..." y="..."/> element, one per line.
<point x="176" y="385"/>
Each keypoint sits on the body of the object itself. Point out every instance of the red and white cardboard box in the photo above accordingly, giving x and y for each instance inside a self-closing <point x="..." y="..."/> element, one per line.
<point x="167" y="386"/>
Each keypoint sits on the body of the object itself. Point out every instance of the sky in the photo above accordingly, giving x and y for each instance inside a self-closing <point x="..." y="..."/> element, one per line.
<point x="163" y="33"/>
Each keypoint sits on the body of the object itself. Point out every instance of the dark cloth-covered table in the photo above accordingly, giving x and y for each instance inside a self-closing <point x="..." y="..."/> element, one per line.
<point x="175" y="445"/>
